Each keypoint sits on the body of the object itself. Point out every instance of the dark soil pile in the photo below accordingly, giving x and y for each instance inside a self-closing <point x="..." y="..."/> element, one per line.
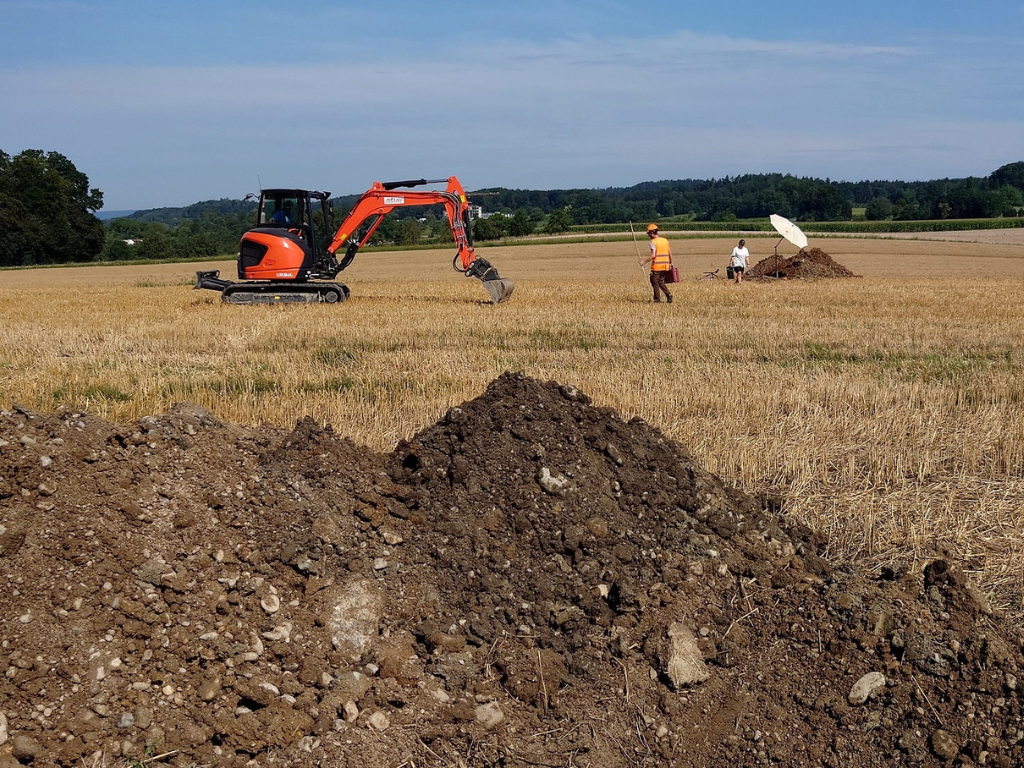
<point x="808" y="263"/>
<point x="531" y="581"/>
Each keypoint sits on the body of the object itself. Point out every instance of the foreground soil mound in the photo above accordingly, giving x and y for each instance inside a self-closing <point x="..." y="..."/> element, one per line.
<point x="530" y="582"/>
<point x="808" y="263"/>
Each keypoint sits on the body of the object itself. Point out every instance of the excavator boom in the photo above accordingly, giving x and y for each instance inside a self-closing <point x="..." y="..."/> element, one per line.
<point x="383" y="197"/>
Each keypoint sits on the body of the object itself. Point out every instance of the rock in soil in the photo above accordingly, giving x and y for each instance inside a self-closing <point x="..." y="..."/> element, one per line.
<point x="179" y="586"/>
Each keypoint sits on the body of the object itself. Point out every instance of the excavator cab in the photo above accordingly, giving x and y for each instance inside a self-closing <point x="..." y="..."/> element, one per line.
<point x="284" y="244"/>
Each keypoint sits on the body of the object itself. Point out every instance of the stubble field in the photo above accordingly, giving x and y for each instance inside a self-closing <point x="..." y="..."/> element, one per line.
<point x="885" y="410"/>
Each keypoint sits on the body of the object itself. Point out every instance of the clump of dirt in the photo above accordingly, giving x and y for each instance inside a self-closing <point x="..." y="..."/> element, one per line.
<point x="808" y="263"/>
<point x="530" y="581"/>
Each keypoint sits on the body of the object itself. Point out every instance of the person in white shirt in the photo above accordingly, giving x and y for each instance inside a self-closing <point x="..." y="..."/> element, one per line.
<point x="740" y="254"/>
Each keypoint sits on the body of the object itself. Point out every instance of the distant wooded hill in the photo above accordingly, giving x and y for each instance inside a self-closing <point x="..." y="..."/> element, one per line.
<point x="760" y="195"/>
<point x="214" y="227"/>
<point x="739" y="197"/>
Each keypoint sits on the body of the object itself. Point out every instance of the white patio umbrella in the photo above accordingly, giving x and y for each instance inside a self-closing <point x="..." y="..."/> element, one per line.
<point x="789" y="231"/>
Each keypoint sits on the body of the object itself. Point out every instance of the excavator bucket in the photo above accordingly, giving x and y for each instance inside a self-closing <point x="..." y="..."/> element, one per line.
<point x="499" y="289"/>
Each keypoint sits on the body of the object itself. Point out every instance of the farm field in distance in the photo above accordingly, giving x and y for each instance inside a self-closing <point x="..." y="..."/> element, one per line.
<point x="886" y="410"/>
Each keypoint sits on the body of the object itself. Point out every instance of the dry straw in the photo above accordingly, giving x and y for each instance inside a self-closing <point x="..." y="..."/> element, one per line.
<point x="885" y="410"/>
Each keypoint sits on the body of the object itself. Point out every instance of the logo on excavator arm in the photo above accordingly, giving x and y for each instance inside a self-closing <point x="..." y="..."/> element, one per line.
<point x="394" y="201"/>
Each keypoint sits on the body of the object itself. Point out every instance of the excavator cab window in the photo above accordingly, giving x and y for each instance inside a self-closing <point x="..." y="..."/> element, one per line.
<point x="322" y="222"/>
<point x="282" y="211"/>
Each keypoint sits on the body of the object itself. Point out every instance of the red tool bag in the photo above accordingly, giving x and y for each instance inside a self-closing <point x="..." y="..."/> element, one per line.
<point x="672" y="276"/>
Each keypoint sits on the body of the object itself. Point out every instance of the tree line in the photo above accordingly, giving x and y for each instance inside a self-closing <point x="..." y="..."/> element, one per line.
<point x="47" y="210"/>
<point x="757" y="196"/>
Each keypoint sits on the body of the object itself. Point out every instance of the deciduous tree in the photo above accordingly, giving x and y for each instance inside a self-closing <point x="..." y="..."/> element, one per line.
<point x="558" y="221"/>
<point x="46" y="210"/>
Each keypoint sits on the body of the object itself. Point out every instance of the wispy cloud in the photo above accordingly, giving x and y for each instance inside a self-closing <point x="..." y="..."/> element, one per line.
<point x="795" y="49"/>
<point x="580" y="111"/>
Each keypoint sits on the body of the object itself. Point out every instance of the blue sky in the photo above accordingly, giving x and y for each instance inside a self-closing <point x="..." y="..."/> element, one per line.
<point x="165" y="104"/>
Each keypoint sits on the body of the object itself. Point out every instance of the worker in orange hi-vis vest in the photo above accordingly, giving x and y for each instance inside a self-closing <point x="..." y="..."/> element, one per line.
<point x="661" y="263"/>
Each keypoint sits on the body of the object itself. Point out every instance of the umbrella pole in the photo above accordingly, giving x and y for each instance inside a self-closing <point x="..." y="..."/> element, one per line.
<point x="777" y="257"/>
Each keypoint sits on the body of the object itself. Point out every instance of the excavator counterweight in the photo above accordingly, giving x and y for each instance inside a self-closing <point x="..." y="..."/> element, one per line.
<point x="283" y="260"/>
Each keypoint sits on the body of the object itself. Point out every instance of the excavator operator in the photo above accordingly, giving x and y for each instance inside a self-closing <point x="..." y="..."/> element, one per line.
<point x="284" y="215"/>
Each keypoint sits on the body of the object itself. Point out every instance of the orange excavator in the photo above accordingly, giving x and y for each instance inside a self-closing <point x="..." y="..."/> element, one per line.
<point x="284" y="259"/>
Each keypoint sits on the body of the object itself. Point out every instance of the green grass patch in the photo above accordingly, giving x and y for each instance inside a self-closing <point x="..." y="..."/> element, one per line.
<point x="940" y="365"/>
<point x="335" y="357"/>
<point x="338" y="384"/>
<point x="565" y="338"/>
<point x="238" y="385"/>
<point x="100" y="391"/>
<point x="106" y="392"/>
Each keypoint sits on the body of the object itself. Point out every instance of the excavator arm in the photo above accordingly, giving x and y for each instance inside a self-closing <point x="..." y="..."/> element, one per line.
<point x="382" y="198"/>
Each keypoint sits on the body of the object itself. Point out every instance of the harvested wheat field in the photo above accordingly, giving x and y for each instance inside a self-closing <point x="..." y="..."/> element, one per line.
<point x="770" y="524"/>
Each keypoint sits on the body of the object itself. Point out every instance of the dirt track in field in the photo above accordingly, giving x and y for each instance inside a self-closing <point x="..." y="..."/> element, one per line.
<point x="985" y="236"/>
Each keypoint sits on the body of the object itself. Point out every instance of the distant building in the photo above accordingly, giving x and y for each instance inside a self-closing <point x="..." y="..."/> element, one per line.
<point x="477" y="212"/>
